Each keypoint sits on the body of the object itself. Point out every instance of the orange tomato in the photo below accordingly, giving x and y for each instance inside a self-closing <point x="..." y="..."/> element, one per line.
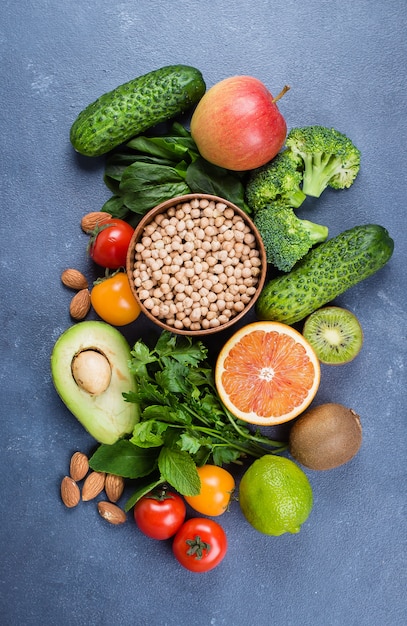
<point x="113" y="300"/>
<point x="217" y="486"/>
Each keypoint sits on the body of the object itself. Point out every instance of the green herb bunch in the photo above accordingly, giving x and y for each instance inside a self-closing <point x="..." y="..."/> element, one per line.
<point x="183" y="423"/>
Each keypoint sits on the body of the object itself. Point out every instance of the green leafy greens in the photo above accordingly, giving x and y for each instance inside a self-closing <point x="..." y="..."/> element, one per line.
<point x="183" y="423"/>
<point x="149" y="170"/>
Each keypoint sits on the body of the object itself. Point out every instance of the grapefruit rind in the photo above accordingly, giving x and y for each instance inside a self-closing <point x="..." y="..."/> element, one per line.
<point x="262" y="399"/>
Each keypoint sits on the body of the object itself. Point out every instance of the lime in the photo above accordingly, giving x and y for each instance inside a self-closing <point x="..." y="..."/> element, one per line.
<point x="275" y="495"/>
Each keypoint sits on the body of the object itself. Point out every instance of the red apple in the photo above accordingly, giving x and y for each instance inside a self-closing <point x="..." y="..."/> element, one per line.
<point x="237" y="124"/>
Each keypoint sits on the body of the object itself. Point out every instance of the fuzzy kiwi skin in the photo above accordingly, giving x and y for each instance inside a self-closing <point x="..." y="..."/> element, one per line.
<point x="325" y="436"/>
<point x="134" y="107"/>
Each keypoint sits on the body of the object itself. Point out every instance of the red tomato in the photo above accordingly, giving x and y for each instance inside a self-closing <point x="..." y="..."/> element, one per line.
<point x="217" y="486"/>
<point x="113" y="300"/>
<point x="237" y="124"/>
<point x="109" y="244"/>
<point x="160" y="513"/>
<point x="200" y="544"/>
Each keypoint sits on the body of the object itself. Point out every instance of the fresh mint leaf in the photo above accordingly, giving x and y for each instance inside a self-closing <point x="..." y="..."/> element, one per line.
<point x="179" y="470"/>
<point x="124" y="459"/>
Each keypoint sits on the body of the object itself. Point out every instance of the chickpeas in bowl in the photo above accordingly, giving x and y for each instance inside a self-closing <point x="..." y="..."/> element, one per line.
<point x="196" y="264"/>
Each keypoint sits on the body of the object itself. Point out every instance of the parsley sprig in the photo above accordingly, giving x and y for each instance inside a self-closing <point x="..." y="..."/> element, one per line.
<point x="183" y="423"/>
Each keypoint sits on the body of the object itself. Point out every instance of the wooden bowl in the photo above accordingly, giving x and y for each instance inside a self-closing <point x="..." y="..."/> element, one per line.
<point x="196" y="264"/>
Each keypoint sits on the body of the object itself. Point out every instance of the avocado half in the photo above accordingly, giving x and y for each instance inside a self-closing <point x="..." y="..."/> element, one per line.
<point x="90" y="372"/>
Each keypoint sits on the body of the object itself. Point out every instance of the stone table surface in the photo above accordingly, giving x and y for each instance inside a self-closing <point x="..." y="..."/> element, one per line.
<point x="346" y="65"/>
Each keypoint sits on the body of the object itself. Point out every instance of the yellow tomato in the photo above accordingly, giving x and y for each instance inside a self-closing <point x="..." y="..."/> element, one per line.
<point x="217" y="486"/>
<point x="113" y="300"/>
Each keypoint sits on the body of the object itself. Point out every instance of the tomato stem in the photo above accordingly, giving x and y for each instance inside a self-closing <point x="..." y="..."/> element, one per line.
<point x="197" y="547"/>
<point x="160" y="493"/>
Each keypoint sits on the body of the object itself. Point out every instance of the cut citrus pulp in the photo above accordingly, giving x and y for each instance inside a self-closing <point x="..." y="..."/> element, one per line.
<point x="267" y="373"/>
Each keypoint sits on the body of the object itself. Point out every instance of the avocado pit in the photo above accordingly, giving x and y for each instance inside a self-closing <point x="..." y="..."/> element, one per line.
<point x="91" y="371"/>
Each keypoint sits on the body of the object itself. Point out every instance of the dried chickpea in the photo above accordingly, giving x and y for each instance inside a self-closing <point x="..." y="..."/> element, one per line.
<point x="196" y="265"/>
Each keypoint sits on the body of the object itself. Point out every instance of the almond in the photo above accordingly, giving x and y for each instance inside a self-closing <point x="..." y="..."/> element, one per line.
<point x="70" y="493"/>
<point x="79" y="466"/>
<point x="114" y="486"/>
<point x="80" y="304"/>
<point x="96" y="218"/>
<point x="111" y="512"/>
<point x="93" y="485"/>
<point x="74" y="279"/>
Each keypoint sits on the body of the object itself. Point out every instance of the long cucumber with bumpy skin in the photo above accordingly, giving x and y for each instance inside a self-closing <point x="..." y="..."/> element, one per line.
<point x="135" y="106"/>
<point x="324" y="273"/>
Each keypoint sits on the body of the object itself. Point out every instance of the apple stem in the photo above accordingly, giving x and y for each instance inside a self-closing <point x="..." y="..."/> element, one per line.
<point x="281" y="94"/>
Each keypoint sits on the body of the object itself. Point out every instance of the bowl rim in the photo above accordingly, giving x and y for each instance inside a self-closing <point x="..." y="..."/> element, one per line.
<point x="160" y="208"/>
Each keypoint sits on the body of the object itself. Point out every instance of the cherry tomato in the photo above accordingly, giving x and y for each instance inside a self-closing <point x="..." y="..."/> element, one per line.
<point x="113" y="300"/>
<point x="200" y="544"/>
<point x="217" y="486"/>
<point x="160" y="513"/>
<point x="109" y="244"/>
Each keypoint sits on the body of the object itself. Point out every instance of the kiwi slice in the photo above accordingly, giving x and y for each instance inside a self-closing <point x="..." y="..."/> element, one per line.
<point x="335" y="334"/>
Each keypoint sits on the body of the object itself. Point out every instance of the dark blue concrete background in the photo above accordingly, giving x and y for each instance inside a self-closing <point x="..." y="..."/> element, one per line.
<point x="346" y="65"/>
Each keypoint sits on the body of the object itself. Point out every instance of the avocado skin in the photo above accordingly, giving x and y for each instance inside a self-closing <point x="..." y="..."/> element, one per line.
<point x="324" y="273"/>
<point x="135" y="106"/>
<point x="107" y="416"/>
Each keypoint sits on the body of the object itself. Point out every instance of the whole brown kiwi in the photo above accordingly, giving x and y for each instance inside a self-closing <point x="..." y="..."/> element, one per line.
<point x="326" y="436"/>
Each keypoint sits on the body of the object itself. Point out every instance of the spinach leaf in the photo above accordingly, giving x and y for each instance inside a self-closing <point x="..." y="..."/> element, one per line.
<point x="203" y="177"/>
<point x="149" y="170"/>
<point x="172" y="148"/>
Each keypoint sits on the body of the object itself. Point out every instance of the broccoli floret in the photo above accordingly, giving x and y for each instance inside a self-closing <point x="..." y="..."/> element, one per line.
<point x="280" y="179"/>
<point x="286" y="237"/>
<point x="329" y="158"/>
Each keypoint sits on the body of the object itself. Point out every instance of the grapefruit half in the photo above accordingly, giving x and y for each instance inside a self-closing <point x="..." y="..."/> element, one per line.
<point x="267" y="373"/>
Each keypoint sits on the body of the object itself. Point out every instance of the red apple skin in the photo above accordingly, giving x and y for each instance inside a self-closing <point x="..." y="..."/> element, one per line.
<point x="236" y="124"/>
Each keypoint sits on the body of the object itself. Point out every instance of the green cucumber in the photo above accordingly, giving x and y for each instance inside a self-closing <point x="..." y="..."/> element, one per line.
<point x="324" y="273"/>
<point x="133" y="107"/>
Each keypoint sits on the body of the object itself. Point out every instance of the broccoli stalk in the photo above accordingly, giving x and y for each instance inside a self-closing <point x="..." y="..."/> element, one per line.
<point x="286" y="237"/>
<point x="329" y="158"/>
<point x="279" y="179"/>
